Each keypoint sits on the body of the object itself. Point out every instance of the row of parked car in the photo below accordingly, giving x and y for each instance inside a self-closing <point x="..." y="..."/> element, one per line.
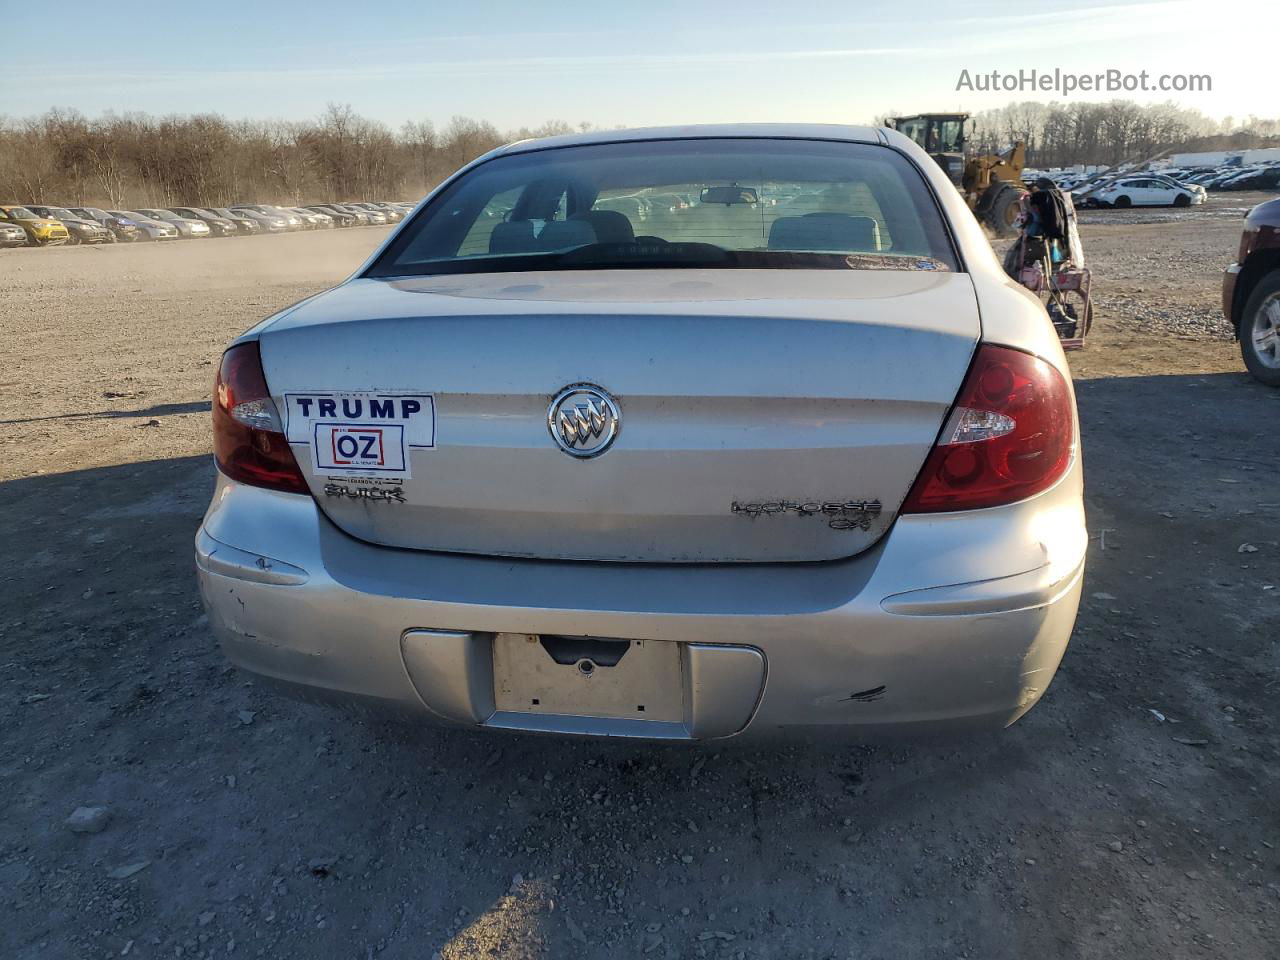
<point x="1262" y="176"/>
<point x="1170" y="187"/>
<point x="41" y="225"/>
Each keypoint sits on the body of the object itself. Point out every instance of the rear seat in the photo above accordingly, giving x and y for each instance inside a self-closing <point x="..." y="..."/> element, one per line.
<point x="521" y="236"/>
<point x="610" y="226"/>
<point x="834" y="232"/>
<point x="515" y="236"/>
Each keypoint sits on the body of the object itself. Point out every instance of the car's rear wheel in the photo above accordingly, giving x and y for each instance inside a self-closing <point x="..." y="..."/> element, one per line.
<point x="1123" y="202"/>
<point x="1260" y="331"/>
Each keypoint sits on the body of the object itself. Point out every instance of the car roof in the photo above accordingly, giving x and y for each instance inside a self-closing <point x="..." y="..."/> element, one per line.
<point x="777" y="131"/>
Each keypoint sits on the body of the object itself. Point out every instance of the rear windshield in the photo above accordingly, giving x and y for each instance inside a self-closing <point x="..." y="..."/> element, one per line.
<point x="757" y="203"/>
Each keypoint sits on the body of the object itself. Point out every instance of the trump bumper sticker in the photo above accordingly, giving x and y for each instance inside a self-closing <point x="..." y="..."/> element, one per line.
<point x="363" y="434"/>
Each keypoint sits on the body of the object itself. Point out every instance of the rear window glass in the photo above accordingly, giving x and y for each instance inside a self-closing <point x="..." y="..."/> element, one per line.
<point x="757" y="203"/>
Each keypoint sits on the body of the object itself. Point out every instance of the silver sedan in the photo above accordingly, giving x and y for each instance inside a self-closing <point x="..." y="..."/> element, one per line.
<point x="152" y="229"/>
<point x="188" y="227"/>
<point x="267" y="222"/>
<point x="793" y="455"/>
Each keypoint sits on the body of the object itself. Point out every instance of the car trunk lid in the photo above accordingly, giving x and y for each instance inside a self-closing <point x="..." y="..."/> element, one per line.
<point x="769" y="415"/>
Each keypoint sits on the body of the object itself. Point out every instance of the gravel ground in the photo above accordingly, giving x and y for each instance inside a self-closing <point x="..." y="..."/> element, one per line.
<point x="1131" y="814"/>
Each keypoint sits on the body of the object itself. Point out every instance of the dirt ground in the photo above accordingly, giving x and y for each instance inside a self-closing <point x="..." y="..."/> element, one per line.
<point x="1131" y="814"/>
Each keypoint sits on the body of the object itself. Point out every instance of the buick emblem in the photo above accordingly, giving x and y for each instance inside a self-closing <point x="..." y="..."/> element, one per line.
<point x="583" y="420"/>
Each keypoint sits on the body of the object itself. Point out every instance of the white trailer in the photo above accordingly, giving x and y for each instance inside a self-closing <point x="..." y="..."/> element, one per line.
<point x="1268" y="155"/>
<point x="1214" y="158"/>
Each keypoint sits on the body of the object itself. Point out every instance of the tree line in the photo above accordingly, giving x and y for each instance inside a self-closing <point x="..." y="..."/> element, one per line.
<point x="138" y="160"/>
<point x="1062" y="135"/>
<point x="133" y="159"/>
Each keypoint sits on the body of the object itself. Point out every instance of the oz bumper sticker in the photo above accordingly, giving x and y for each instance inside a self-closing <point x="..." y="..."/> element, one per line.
<point x="366" y="447"/>
<point x="364" y="434"/>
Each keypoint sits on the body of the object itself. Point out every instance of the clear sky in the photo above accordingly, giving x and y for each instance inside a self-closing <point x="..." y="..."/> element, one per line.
<point x="521" y="62"/>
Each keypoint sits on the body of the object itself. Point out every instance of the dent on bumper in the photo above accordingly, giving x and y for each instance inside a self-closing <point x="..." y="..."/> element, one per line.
<point x="952" y="620"/>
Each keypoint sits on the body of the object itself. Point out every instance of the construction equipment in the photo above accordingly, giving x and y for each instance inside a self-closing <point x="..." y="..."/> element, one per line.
<point x="991" y="183"/>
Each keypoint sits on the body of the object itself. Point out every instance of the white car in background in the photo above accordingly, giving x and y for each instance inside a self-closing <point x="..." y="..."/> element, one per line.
<point x="1181" y="183"/>
<point x="1148" y="191"/>
<point x="739" y="469"/>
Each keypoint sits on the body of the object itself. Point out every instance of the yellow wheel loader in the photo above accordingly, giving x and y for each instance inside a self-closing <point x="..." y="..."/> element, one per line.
<point x="990" y="183"/>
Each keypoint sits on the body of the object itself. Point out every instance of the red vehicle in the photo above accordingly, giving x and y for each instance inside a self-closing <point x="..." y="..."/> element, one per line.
<point x="1251" y="293"/>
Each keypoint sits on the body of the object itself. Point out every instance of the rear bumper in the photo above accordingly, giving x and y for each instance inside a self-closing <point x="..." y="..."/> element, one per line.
<point x="952" y="621"/>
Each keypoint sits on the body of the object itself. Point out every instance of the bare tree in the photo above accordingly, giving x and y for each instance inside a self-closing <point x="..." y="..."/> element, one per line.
<point x="419" y="138"/>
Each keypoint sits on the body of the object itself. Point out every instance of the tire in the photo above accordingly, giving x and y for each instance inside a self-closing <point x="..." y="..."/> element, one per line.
<point x="1182" y="200"/>
<point x="1003" y="211"/>
<point x="1259" y="331"/>
<point x="1124" y="203"/>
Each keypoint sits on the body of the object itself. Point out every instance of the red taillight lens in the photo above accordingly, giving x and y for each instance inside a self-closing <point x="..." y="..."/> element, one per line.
<point x="1010" y="436"/>
<point x="247" y="440"/>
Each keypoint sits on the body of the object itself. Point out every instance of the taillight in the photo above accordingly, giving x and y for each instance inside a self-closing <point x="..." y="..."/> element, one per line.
<point x="1010" y="436"/>
<point x="248" y="442"/>
<point x="1247" y="237"/>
